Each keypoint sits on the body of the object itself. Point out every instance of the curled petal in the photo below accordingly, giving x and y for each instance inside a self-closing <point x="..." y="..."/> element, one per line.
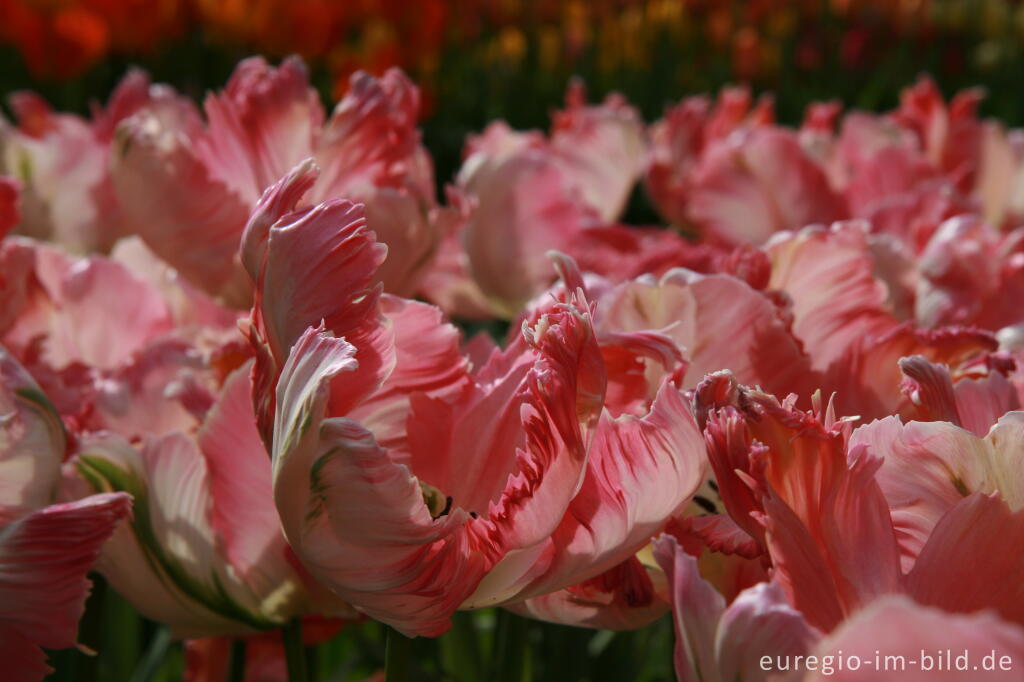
<point x="695" y="310"/>
<point x="697" y="609"/>
<point x="32" y="441"/>
<point x="829" y="276"/>
<point x="760" y="622"/>
<point x="640" y="473"/>
<point x="187" y="215"/>
<point x="45" y="558"/>
<point x="602" y="148"/>
<point x="625" y="597"/>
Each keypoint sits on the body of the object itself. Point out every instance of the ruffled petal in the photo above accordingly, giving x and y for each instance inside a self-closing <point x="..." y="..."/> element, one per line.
<point x="829" y="276"/>
<point x="602" y="147"/>
<point x="44" y="558"/>
<point x="696" y="311"/>
<point x="640" y="473"/>
<point x="187" y="215"/>
<point x="260" y="125"/>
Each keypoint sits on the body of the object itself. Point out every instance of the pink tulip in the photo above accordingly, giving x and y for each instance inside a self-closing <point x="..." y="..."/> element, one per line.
<point x="265" y="121"/>
<point x="728" y="174"/>
<point x="205" y="553"/>
<point x="679" y="140"/>
<point x="928" y="467"/>
<point x="57" y="322"/>
<point x="62" y="161"/>
<point x="716" y="642"/>
<point x="812" y="498"/>
<point x="525" y="194"/>
<point x="759" y="635"/>
<point x="756" y="183"/>
<point x="47" y="548"/>
<point x="488" y="485"/>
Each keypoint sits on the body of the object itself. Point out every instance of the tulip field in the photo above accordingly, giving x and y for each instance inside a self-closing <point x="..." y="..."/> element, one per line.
<point x="307" y="377"/>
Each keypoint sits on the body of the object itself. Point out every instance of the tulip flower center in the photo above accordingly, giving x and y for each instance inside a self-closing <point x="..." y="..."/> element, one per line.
<point x="437" y="502"/>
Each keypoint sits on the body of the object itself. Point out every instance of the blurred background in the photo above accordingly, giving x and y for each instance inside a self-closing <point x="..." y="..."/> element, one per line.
<point x="478" y="60"/>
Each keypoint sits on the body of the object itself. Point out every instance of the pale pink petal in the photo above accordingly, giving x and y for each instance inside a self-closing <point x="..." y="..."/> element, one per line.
<point x="753" y="186"/>
<point x="892" y="637"/>
<point x="760" y="622"/>
<point x="625" y="597"/>
<point x="171" y="562"/>
<point x="829" y="276"/>
<point x="400" y="222"/>
<point x="929" y="467"/>
<point x="262" y="124"/>
<point x="981" y="401"/>
<point x="164" y="559"/>
<point x="241" y="489"/>
<point x="525" y="206"/>
<point x="697" y="610"/>
<point x="447" y="282"/>
<point x="966" y="564"/>
<point x="186" y="214"/>
<point x="601" y="147"/>
<point x="32" y="441"/>
<point x="696" y="311"/>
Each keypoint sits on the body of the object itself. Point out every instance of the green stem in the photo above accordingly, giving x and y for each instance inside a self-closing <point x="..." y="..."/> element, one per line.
<point x="154" y="656"/>
<point x="294" y="651"/>
<point x="396" y="657"/>
<point x="236" y="665"/>
<point x="460" y="649"/>
<point x="512" y="663"/>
